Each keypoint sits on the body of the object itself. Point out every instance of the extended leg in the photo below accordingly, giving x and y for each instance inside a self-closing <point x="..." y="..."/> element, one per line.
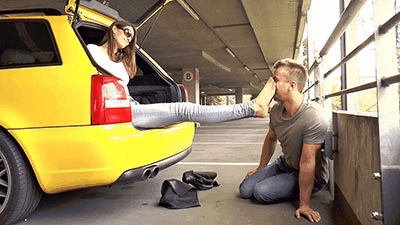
<point x="164" y="114"/>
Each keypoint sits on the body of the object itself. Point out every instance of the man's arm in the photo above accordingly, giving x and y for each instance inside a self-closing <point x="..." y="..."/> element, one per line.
<point x="268" y="150"/>
<point x="306" y="181"/>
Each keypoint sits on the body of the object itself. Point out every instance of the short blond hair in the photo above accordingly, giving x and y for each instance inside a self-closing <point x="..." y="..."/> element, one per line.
<point x="297" y="72"/>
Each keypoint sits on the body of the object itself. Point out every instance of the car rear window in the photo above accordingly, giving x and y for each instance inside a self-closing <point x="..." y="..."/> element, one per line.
<point x="27" y="43"/>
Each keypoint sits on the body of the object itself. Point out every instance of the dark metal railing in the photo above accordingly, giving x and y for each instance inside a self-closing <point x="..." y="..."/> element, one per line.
<point x="312" y="85"/>
<point x="384" y="28"/>
<point x="386" y="81"/>
<point x="345" y="19"/>
<point x="353" y="53"/>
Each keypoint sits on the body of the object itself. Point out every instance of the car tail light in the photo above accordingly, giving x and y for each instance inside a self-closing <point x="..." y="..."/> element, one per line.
<point x="185" y="92"/>
<point x="110" y="101"/>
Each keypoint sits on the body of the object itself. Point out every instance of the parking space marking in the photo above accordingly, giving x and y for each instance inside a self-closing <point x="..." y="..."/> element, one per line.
<point x="219" y="163"/>
<point x="227" y="143"/>
<point x="230" y="134"/>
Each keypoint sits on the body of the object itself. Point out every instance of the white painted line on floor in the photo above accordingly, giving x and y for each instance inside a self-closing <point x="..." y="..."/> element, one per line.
<point x="235" y="127"/>
<point x="230" y="134"/>
<point x="227" y="143"/>
<point x="219" y="163"/>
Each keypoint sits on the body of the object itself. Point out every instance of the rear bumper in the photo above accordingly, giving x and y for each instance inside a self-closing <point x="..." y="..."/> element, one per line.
<point x="67" y="158"/>
<point x="151" y="170"/>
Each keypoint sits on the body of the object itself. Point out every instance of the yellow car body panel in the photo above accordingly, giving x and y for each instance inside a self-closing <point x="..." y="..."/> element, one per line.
<point x="48" y="96"/>
<point x="67" y="158"/>
<point x="47" y="111"/>
<point x="62" y="89"/>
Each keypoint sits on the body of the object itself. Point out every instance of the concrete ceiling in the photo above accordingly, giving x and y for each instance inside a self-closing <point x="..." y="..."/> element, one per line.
<point x="258" y="33"/>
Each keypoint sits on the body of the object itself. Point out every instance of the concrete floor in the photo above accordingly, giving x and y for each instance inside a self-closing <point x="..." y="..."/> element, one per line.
<point x="230" y="149"/>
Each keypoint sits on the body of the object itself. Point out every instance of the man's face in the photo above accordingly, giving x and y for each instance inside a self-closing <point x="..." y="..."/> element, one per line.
<point x="281" y="78"/>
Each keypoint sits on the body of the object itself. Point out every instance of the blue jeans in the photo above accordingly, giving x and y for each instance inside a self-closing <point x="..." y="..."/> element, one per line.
<point x="165" y="114"/>
<point x="274" y="183"/>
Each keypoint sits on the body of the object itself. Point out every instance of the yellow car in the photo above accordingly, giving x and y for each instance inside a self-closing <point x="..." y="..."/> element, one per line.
<point x="54" y="137"/>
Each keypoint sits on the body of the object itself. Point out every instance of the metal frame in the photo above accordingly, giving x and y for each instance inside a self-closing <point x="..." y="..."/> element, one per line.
<point x="388" y="111"/>
<point x="346" y="18"/>
<point x="388" y="104"/>
<point x="382" y="30"/>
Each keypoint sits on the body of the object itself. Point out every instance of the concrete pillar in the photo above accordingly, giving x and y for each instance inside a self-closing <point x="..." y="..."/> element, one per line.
<point x="238" y="95"/>
<point x="190" y="78"/>
<point x="203" y="98"/>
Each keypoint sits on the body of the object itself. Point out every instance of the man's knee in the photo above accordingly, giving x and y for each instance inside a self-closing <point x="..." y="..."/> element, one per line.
<point x="264" y="195"/>
<point x="245" y="191"/>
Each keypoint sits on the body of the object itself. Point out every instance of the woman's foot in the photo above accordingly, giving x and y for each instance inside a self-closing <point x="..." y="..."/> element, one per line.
<point x="261" y="111"/>
<point x="261" y="102"/>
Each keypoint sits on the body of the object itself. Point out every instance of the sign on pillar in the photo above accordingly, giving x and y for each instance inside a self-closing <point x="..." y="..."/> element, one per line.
<point x="190" y="78"/>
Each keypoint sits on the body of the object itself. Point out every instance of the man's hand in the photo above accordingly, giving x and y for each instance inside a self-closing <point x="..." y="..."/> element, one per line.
<point x="309" y="213"/>
<point x="251" y="172"/>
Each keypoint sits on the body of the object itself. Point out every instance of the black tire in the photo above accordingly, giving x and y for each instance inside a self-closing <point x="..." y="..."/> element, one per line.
<point x="19" y="191"/>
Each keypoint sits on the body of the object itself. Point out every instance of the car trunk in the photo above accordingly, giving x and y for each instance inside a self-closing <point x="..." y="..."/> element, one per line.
<point x="151" y="83"/>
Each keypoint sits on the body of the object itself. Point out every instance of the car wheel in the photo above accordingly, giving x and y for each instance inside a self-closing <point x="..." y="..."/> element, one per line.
<point x="19" y="192"/>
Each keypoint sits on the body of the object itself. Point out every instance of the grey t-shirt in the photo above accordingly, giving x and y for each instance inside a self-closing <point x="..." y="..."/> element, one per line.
<point x="308" y="126"/>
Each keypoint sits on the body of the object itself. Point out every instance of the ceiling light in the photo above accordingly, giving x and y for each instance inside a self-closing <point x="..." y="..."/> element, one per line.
<point x="229" y="51"/>
<point x="188" y="9"/>
<point x="209" y="58"/>
<point x="255" y="75"/>
<point x="247" y="68"/>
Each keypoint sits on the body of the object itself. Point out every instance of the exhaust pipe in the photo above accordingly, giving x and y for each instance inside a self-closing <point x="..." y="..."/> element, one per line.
<point x="150" y="172"/>
<point x="154" y="171"/>
<point x="146" y="174"/>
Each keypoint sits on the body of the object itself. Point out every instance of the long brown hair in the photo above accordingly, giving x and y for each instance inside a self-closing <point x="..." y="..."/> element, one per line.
<point x="126" y="55"/>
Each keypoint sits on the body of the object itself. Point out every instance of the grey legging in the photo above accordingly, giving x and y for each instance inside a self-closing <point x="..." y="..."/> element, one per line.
<point x="164" y="114"/>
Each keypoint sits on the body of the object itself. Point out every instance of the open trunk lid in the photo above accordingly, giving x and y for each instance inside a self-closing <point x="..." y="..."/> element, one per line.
<point x="136" y="12"/>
